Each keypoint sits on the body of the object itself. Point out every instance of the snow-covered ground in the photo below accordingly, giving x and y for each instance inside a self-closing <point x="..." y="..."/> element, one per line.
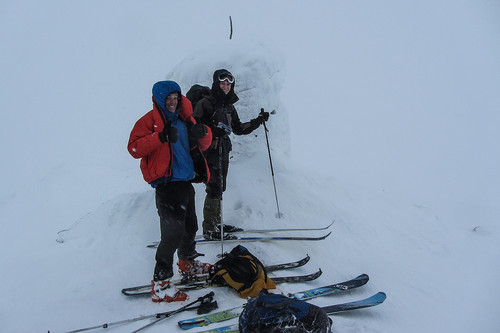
<point x="386" y="122"/>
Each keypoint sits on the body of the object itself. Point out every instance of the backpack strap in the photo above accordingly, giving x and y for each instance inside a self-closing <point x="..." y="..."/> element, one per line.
<point x="278" y="306"/>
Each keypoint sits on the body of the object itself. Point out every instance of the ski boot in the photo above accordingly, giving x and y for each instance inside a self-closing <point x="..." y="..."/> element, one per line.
<point x="193" y="267"/>
<point x="161" y="287"/>
<point x="230" y="228"/>
<point x="161" y="292"/>
<point x="215" y="235"/>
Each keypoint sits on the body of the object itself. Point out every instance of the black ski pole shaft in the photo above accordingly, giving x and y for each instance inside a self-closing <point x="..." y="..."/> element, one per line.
<point x="271" y="164"/>
<point x="143" y="317"/>
<point x="221" y="187"/>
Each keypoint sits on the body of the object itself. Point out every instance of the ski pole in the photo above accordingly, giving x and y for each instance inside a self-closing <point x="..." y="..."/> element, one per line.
<point x="221" y="186"/>
<point x="228" y="130"/>
<point x="278" y="215"/>
<point x="158" y="315"/>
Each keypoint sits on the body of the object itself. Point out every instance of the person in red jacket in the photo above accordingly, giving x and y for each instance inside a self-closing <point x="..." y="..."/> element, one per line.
<point x="169" y="143"/>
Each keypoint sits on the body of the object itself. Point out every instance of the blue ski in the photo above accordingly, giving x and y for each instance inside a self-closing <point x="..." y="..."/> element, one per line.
<point x="376" y="299"/>
<point x="331" y="289"/>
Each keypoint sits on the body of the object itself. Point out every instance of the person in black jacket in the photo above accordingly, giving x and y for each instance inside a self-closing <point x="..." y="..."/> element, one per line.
<point x="218" y="112"/>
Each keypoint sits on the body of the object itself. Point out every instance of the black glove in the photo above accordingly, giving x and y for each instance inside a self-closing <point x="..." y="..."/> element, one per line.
<point x="197" y="131"/>
<point x="263" y="116"/>
<point x="169" y="134"/>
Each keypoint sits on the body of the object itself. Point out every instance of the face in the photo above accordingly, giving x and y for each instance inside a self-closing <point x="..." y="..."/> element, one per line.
<point x="225" y="87"/>
<point x="171" y="102"/>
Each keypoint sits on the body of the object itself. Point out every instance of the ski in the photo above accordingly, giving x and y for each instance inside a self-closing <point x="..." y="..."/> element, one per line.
<point x="200" y="282"/>
<point x="224" y="329"/>
<point x="297" y="278"/>
<point x="146" y="289"/>
<point x="304" y="295"/>
<point x="374" y="300"/>
<point x="254" y="239"/>
<point x="293" y="264"/>
<point x="331" y="289"/>
<point x="279" y="279"/>
<point x="264" y="239"/>
<point x="211" y="318"/>
<point x="263" y="231"/>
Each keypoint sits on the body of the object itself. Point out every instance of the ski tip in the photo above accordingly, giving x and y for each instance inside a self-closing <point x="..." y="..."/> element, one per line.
<point x="363" y="276"/>
<point x="192" y="324"/>
<point x="379" y="297"/>
<point x="314" y="276"/>
<point x="153" y="245"/>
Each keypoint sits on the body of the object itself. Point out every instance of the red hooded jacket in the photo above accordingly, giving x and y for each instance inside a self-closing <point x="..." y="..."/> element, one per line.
<point x="156" y="157"/>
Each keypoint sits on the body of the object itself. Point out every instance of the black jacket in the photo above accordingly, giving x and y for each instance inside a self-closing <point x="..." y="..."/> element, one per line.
<point x="219" y="108"/>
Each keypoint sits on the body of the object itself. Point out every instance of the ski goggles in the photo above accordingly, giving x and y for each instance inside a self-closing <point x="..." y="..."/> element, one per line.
<point x="226" y="77"/>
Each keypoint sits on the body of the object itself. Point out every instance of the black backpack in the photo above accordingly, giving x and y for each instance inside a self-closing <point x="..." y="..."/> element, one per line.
<point x="197" y="92"/>
<point x="242" y="271"/>
<point x="276" y="313"/>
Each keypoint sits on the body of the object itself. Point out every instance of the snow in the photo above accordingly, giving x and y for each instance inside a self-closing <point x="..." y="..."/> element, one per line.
<point x="386" y="122"/>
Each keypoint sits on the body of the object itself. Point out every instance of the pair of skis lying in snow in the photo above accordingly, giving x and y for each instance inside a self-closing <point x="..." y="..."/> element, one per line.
<point x="224" y="315"/>
<point x="200" y="240"/>
<point x="202" y="280"/>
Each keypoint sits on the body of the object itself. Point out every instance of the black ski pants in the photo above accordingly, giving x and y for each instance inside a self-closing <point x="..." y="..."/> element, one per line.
<point x="215" y="159"/>
<point x="175" y="202"/>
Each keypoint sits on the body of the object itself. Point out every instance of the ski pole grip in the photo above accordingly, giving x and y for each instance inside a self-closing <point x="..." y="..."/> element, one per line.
<point x="263" y="123"/>
<point x="209" y="295"/>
